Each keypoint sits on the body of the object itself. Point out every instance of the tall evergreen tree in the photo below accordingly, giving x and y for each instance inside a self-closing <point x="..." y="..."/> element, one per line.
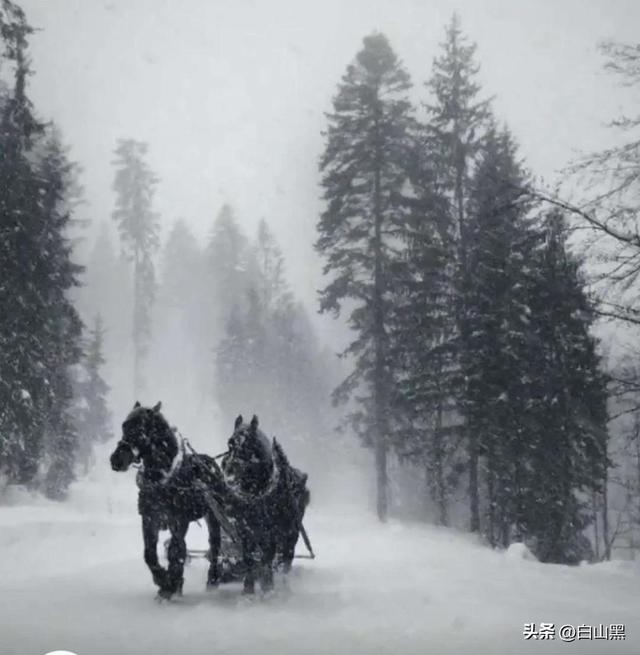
<point x="268" y="271"/>
<point x="93" y="419"/>
<point x="227" y="270"/>
<point x="138" y="224"/>
<point x="62" y="326"/>
<point x="499" y="335"/>
<point x="424" y="338"/>
<point x="454" y="130"/>
<point x="364" y="177"/>
<point x="21" y="426"/>
<point x="250" y="356"/>
<point x="568" y="404"/>
<point x="39" y="328"/>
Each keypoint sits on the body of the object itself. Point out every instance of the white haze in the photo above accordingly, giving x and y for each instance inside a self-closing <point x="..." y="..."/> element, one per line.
<point x="231" y="95"/>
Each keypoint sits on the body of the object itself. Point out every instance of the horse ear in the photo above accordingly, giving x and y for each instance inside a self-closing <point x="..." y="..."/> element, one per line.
<point x="137" y="404"/>
<point x="238" y="422"/>
<point x="157" y="406"/>
<point x="254" y="423"/>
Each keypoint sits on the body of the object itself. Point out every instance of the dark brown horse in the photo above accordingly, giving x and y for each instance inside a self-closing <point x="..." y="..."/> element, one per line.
<point x="174" y="486"/>
<point x="268" y="498"/>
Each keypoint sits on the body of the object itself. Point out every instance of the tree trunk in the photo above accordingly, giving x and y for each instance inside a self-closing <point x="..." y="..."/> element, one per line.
<point x="605" y="511"/>
<point x="443" y="518"/>
<point x="596" y="532"/>
<point x="491" y="493"/>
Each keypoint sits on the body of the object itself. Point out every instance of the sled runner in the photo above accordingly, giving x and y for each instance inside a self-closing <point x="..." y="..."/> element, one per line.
<point x="230" y="565"/>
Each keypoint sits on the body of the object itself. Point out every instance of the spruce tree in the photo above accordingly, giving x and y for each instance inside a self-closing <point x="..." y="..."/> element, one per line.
<point x="39" y="328"/>
<point x="453" y="133"/>
<point x="227" y="269"/>
<point x="268" y="271"/>
<point x="138" y="224"/>
<point x="423" y="337"/>
<point x="499" y="339"/>
<point x="364" y="177"/>
<point x="568" y="458"/>
<point x="21" y="427"/>
<point x="62" y="329"/>
<point x="93" y="419"/>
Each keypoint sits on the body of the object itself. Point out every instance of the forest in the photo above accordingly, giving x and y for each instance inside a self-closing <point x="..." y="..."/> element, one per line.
<point x="476" y="388"/>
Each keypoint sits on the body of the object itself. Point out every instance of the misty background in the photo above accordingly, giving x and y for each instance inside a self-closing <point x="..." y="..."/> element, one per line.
<point x="466" y="175"/>
<point x="228" y="104"/>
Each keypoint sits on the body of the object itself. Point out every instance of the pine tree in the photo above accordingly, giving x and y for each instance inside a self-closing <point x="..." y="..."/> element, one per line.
<point x="258" y="332"/>
<point x="364" y="177"/>
<point x="62" y="325"/>
<point x="227" y="268"/>
<point x="423" y="338"/>
<point x="454" y="130"/>
<point x="134" y="185"/>
<point x="268" y="271"/>
<point x="568" y="459"/>
<point x="93" y="419"/>
<point x="39" y="328"/>
<point x="499" y="335"/>
<point x="21" y="426"/>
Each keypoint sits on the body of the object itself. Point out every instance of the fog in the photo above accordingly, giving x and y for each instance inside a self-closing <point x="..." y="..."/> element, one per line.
<point x="468" y="419"/>
<point x="231" y="96"/>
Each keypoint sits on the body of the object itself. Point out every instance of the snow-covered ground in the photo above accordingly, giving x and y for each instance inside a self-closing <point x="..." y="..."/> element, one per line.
<point x="72" y="577"/>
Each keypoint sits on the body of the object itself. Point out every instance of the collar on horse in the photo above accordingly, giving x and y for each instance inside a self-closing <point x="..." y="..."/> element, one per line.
<point x="271" y="486"/>
<point x="176" y="462"/>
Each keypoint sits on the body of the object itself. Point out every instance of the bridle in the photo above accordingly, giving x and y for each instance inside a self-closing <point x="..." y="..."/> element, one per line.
<point x="237" y="441"/>
<point x="138" y="452"/>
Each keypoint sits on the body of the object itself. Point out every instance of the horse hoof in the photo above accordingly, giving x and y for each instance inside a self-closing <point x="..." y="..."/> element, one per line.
<point x="212" y="585"/>
<point x="267" y="594"/>
<point x="247" y="599"/>
<point x="163" y="595"/>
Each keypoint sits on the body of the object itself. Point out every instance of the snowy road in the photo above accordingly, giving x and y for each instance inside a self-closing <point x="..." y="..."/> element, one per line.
<point x="75" y="580"/>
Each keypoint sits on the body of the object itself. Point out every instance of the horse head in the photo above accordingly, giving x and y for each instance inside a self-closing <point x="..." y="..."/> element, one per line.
<point x="248" y="464"/>
<point x="147" y="438"/>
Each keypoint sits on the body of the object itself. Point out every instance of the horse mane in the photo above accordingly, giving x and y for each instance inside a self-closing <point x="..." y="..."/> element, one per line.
<point x="279" y="454"/>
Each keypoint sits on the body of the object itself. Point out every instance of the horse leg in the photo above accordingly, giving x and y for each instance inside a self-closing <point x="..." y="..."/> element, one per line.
<point x="249" y="558"/>
<point x="266" y="563"/>
<point x="213" y="575"/>
<point x="289" y="541"/>
<point x="150" y="531"/>
<point x="177" y="554"/>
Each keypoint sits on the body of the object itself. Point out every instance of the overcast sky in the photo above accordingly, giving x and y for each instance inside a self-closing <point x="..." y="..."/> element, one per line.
<point x="230" y="94"/>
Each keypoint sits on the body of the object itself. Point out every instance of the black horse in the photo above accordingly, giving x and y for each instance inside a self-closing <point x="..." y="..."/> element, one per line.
<point x="269" y="498"/>
<point x="175" y="488"/>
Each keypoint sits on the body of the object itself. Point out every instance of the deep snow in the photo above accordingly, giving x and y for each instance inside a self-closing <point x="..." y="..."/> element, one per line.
<point x="72" y="577"/>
